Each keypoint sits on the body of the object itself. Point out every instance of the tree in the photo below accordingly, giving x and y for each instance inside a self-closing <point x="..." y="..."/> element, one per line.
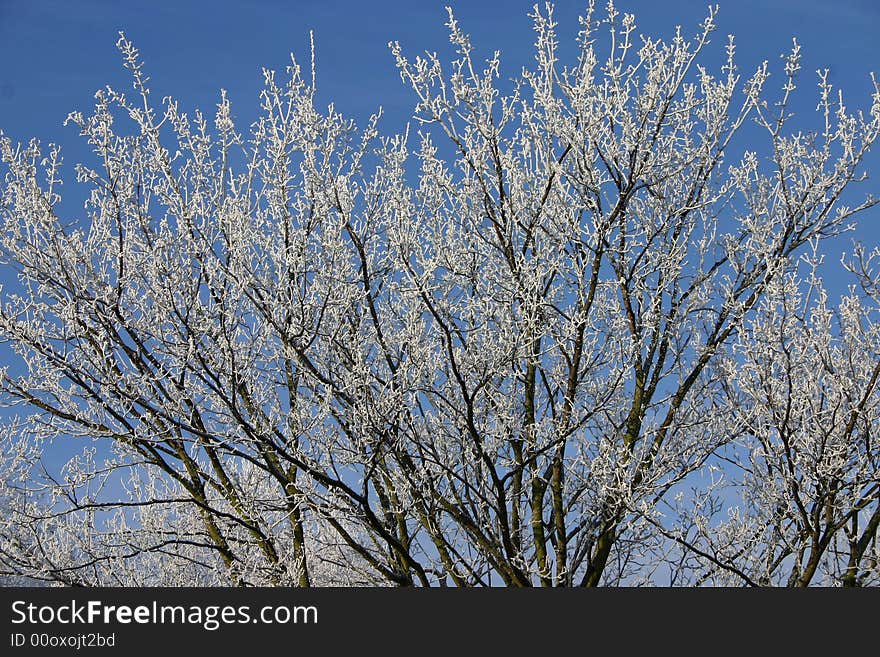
<point x="500" y="350"/>
<point x="802" y="391"/>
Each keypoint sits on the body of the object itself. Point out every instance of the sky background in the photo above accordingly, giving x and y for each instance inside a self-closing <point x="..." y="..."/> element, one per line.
<point x="56" y="53"/>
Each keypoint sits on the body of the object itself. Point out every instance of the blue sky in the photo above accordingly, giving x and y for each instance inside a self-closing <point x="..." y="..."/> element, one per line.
<point x="56" y="53"/>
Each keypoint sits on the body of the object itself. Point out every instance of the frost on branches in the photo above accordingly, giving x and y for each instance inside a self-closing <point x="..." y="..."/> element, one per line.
<point x="569" y="331"/>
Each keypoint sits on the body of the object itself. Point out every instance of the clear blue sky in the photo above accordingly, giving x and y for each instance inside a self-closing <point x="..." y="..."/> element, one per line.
<point x="56" y="53"/>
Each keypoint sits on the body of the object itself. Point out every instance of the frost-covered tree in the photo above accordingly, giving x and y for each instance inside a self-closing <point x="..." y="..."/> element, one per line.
<point x="498" y="348"/>
<point x="802" y="399"/>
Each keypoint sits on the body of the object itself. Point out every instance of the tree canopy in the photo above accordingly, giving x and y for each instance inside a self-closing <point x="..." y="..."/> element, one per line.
<point x="570" y="331"/>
